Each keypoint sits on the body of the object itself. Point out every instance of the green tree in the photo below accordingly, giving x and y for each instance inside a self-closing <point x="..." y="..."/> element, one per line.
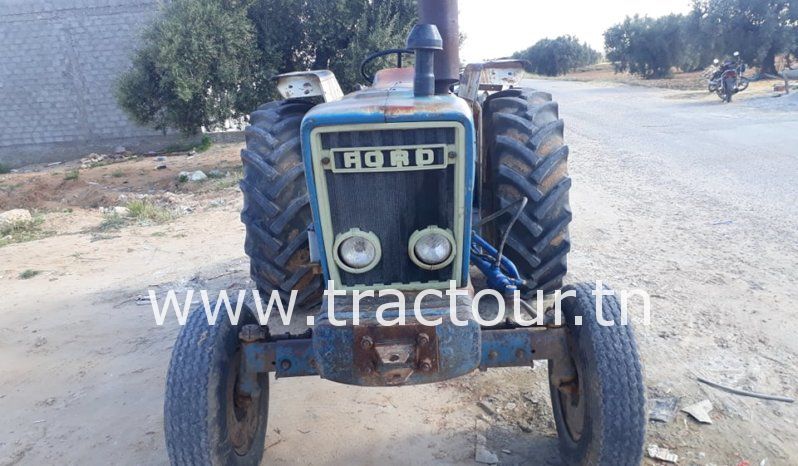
<point x="196" y="68"/>
<point x="204" y="61"/>
<point x="648" y="47"/>
<point x="554" y="57"/>
<point x="363" y="28"/>
<point x="758" y="29"/>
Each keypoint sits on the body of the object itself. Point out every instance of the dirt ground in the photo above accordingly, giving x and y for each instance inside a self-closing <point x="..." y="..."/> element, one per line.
<point x="693" y="81"/>
<point x="696" y="213"/>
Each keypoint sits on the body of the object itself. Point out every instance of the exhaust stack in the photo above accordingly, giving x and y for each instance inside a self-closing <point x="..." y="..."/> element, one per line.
<point x="424" y="39"/>
<point x="443" y="14"/>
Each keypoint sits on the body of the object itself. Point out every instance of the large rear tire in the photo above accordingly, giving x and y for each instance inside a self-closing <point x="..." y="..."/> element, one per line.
<point x="600" y="409"/>
<point x="276" y="209"/>
<point x="526" y="156"/>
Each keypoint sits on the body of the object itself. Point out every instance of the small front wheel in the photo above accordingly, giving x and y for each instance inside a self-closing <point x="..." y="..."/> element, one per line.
<point x="206" y="421"/>
<point x="597" y="393"/>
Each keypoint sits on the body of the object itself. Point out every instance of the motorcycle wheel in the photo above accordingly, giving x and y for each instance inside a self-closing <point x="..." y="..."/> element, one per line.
<point x="728" y="86"/>
<point x="743" y="84"/>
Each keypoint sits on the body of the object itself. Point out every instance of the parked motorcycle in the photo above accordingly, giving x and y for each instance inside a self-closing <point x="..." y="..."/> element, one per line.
<point x="727" y="79"/>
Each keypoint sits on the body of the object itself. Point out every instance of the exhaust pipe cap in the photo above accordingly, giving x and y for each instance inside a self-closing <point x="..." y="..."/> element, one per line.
<point x="425" y="37"/>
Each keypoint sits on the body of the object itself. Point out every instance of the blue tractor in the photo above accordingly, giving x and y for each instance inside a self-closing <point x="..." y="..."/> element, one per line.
<point x="433" y="183"/>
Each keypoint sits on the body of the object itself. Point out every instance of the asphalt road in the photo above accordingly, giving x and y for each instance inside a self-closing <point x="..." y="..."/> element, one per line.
<point x="696" y="202"/>
<point x="744" y="153"/>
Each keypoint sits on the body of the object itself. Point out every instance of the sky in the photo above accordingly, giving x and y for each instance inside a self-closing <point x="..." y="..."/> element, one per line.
<point x="496" y="28"/>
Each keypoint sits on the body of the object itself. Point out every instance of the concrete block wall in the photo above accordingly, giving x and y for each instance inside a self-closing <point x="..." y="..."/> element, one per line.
<point x="59" y="61"/>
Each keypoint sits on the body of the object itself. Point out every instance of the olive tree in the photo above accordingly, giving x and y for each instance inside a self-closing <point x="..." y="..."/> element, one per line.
<point x="646" y="46"/>
<point x="196" y="67"/>
<point x="204" y="61"/>
<point x="758" y="29"/>
<point x="554" y="57"/>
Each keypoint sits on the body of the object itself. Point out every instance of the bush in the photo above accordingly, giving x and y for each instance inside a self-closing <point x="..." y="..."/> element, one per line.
<point x="29" y="273"/>
<point x="554" y="57"/>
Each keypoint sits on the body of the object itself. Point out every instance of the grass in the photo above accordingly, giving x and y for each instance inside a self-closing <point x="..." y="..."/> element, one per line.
<point x="229" y="181"/>
<point x="112" y="221"/>
<point x="29" y="273"/>
<point x="145" y="211"/>
<point x="10" y="187"/>
<point x="204" y="144"/>
<point x="141" y="211"/>
<point x="4" y="169"/>
<point x="117" y="173"/>
<point x="21" y="232"/>
<point x="72" y="175"/>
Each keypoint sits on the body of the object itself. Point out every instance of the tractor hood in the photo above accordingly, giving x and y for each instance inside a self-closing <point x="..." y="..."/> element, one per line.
<point x="396" y="195"/>
<point x="391" y="100"/>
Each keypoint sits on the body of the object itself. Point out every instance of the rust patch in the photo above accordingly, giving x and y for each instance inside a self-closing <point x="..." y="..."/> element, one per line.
<point x="389" y="355"/>
<point x="389" y="77"/>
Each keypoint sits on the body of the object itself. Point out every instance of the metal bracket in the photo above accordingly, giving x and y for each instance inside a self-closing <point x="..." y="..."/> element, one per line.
<point x="303" y="84"/>
<point x="510" y="347"/>
<point x="390" y="355"/>
<point x="285" y="355"/>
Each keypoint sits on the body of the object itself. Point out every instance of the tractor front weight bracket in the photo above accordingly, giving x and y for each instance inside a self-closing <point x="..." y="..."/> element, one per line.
<point x="294" y="355"/>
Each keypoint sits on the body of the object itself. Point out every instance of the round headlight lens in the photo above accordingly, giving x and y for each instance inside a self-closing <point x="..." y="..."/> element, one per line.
<point x="433" y="248"/>
<point x="358" y="252"/>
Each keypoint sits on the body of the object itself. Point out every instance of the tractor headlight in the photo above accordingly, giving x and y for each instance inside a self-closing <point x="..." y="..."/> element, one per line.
<point x="357" y="251"/>
<point x="431" y="248"/>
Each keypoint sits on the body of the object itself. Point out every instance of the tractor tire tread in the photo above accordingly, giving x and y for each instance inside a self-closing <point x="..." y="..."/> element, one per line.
<point x="276" y="209"/>
<point x="617" y="412"/>
<point x="194" y="418"/>
<point x="526" y="156"/>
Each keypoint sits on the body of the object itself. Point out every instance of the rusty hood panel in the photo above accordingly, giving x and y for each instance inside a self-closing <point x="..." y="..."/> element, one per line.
<point x="394" y="77"/>
<point x="392" y="102"/>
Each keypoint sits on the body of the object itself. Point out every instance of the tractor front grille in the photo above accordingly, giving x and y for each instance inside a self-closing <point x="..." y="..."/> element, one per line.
<point x="391" y="201"/>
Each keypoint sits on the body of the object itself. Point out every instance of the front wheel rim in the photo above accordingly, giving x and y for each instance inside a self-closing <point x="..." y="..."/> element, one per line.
<point x="242" y="413"/>
<point x="571" y="404"/>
